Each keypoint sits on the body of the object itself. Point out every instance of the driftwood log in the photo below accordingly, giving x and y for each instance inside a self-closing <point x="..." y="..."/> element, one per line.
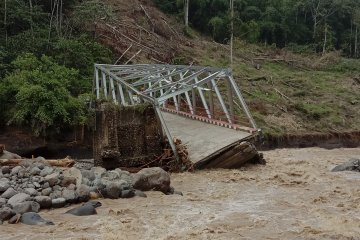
<point x="53" y="162"/>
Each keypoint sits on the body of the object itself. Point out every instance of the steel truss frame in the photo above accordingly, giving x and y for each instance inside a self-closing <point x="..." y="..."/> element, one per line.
<point x="171" y="87"/>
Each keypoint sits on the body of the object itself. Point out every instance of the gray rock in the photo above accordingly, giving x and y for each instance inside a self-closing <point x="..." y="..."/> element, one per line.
<point x="3" y="201"/>
<point x="4" y="184"/>
<point x="57" y="188"/>
<point x="37" y="185"/>
<point x="46" y="185"/>
<point x="18" y="198"/>
<point x="15" y="170"/>
<point x="58" y="202"/>
<point x="44" y="201"/>
<point x="127" y="193"/>
<point x="23" y="173"/>
<point x="69" y="195"/>
<point x="110" y="175"/>
<point x="55" y="194"/>
<point x="67" y="180"/>
<point x="6" y="175"/>
<point x="31" y="191"/>
<point x="98" y="171"/>
<point x="28" y="206"/>
<point x="52" y="179"/>
<point x="112" y="190"/>
<point x="74" y="172"/>
<point x="46" y="171"/>
<point x="152" y="179"/>
<point x="83" y="193"/>
<point x="46" y="191"/>
<point x="6" y="213"/>
<point x="89" y="174"/>
<point x="352" y="165"/>
<point x="71" y="187"/>
<point x="10" y="192"/>
<point x="30" y="185"/>
<point x="35" y="171"/>
<point x="5" y="169"/>
<point x="124" y="175"/>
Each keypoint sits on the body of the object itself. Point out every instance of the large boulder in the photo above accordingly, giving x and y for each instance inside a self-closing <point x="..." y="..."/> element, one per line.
<point x="27" y="206"/>
<point x="31" y="191"/>
<point x="6" y="213"/>
<point x="58" y="202"/>
<point x="44" y="201"/>
<point x="351" y="165"/>
<point x="83" y="193"/>
<point x="152" y="179"/>
<point x="52" y="179"/>
<point x="10" y="192"/>
<point x="112" y="190"/>
<point x="18" y="198"/>
<point x="4" y="184"/>
<point x="69" y="195"/>
<point x="75" y="173"/>
<point x="15" y="170"/>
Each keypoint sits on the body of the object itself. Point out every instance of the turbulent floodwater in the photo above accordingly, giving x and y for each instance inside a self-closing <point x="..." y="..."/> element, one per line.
<point x="295" y="196"/>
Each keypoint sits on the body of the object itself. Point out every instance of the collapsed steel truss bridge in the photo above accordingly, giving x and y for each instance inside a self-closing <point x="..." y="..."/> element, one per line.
<point x="204" y="94"/>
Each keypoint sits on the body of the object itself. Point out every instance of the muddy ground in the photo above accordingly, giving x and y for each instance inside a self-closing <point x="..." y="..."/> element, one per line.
<point x="295" y="196"/>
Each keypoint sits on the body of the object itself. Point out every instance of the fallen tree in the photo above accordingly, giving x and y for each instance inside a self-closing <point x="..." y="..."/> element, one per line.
<point x="66" y="162"/>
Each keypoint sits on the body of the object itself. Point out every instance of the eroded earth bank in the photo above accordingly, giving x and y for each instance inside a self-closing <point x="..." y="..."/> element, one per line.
<point x="295" y="196"/>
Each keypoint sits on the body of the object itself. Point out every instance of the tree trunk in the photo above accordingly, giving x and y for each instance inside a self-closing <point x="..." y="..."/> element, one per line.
<point x="186" y="13"/>
<point x="325" y="39"/>
<point x="31" y="21"/>
<point x="356" y="42"/>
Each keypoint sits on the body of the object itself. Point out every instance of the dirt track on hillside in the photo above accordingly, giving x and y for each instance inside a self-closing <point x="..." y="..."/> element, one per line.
<point x="294" y="197"/>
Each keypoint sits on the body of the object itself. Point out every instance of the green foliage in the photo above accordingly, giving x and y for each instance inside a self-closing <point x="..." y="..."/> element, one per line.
<point x="38" y="94"/>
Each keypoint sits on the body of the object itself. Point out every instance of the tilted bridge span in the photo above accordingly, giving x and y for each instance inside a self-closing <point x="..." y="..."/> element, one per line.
<point x="202" y="106"/>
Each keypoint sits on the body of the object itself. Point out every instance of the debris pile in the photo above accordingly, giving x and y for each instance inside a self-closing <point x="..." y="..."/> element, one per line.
<point x="168" y="161"/>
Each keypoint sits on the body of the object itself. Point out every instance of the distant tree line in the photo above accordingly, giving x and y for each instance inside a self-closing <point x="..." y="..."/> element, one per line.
<point x="317" y="25"/>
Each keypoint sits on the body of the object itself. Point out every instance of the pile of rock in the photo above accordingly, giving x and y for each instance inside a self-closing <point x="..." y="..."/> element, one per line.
<point x="36" y="186"/>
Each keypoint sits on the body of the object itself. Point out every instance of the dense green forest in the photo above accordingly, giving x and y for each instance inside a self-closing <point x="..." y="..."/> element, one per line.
<point x="302" y="25"/>
<point x="46" y="62"/>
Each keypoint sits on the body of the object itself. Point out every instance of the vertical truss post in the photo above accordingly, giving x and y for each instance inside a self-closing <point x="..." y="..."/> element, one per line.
<point x="113" y="90"/>
<point x="96" y="78"/>
<point x="104" y="84"/>
<point x="242" y="101"/>
<point x="174" y="98"/>
<point x="121" y="93"/>
<point x="203" y="99"/>
<point x="211" y="100"/>
<point x="131" y="97"/>
<point x="193" y="96"/>
<point x="189" y="103"/>
<point x="167" y="132"/>
<point x="221" y="100"/>
<point x="230" y="97"/>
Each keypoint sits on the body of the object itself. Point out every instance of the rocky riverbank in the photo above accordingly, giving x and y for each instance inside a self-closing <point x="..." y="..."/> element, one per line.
<point x="36" y="185"/>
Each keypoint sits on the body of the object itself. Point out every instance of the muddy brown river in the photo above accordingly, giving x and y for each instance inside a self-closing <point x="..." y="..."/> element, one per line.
<point x="295" y="196"/>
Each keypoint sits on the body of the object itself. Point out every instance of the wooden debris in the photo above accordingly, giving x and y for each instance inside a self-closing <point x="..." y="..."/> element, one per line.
<point x="66" y="162"/>
<point x="168" y="162"/>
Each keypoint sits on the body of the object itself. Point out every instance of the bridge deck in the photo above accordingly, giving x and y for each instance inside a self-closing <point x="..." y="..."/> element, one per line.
<point x="202" y="139"/>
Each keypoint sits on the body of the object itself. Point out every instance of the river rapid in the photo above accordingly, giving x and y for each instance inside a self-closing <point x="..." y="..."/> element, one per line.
<point x="295" y="196"/>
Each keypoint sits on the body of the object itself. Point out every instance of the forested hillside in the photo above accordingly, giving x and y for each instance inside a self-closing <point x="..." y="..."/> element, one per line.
<point x="46" y="62"/>
<point x="296" y="61"/>
<point x="311" y="25"/>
